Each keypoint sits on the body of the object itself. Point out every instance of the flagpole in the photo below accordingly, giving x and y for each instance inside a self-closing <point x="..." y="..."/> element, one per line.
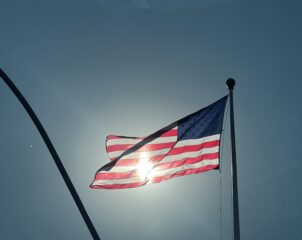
<point x="231" y="83"/>
<point x="53" y="153"/>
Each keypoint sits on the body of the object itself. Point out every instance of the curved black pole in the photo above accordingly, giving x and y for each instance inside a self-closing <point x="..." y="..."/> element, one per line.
<point x="231" y="83"/>
<point x="53" y="153"/>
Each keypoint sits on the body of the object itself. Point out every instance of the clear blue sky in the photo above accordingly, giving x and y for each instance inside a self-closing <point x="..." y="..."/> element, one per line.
<point x="95" y="67"/>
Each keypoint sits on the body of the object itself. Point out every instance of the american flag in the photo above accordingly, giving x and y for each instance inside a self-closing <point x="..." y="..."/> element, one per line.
<point x="187" y="146"/>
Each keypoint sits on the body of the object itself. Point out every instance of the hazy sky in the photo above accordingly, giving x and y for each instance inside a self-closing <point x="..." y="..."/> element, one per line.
<point x="92" y="68"/>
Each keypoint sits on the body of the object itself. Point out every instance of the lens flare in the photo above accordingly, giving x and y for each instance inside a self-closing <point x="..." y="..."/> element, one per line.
<point x="144" y="166"/>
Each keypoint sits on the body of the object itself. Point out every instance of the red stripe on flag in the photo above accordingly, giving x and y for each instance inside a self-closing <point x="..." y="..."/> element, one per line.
<point x="135" y="173"/>
<point x="110" y="137"/>
<point x="170" y="133"/>
<point x="182" y="173"/>
<point x="156" y="179"/>
<point x="118" y="186"/>
<point x="193" y="148"/>
<point x="174" y="164"/>
<point x="135" y="161"/>
<point x="159" y="146"/>
<point x="146" y="148"/>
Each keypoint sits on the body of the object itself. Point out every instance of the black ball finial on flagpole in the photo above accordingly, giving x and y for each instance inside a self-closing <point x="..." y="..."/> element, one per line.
<point x="230" y="83"/>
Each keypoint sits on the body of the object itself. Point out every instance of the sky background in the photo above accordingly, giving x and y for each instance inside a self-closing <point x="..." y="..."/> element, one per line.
<point x="92" y="68"/>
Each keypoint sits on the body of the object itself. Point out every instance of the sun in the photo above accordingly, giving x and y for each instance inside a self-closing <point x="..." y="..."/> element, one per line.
<point x="144" y="167"/>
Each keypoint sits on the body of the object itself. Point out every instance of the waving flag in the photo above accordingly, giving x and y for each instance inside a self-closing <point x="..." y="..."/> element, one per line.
<point x="187" y="146"/>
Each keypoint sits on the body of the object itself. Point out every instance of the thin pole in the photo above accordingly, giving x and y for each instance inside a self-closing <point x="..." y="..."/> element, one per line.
<point x="53" y="153"/>
<point x="231" y="83"/>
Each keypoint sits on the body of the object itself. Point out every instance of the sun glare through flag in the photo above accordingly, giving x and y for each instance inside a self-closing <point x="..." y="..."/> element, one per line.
<point x="187" y="146"/>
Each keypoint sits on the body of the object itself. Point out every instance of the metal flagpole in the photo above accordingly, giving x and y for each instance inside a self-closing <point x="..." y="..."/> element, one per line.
<point x="231" y="83"/>
<point x="53" y="153"/>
